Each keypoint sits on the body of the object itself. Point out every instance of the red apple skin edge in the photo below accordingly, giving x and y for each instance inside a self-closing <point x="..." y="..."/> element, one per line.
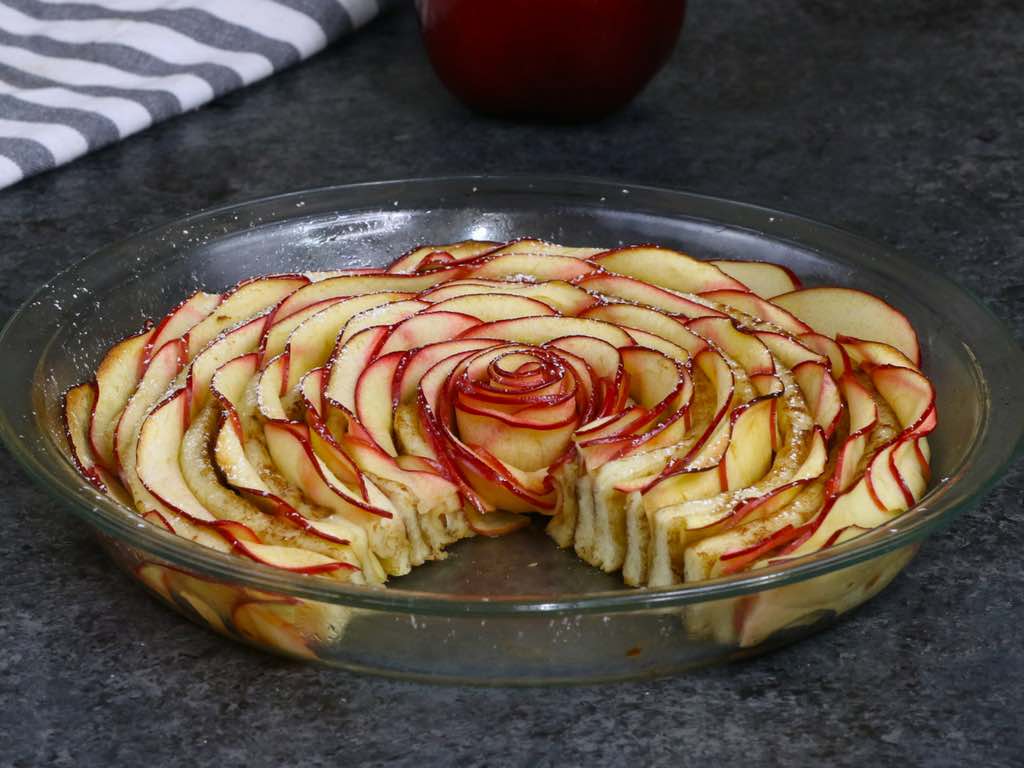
<point x="568" y="60"/>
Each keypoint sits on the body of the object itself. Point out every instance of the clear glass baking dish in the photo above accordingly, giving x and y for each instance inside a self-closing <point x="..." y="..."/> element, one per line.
<point x="513" y="610"/>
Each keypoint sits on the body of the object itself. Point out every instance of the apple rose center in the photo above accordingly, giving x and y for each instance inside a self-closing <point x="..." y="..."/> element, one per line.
<point x="668" y="418"/>
<point x="524" y="404"/>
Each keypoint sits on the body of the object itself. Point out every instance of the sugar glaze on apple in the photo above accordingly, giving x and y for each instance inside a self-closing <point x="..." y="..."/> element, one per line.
<point x="674" y="420"/>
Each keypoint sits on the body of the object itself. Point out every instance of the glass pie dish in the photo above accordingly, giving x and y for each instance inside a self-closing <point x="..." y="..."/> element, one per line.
<point x="515" y="609"/>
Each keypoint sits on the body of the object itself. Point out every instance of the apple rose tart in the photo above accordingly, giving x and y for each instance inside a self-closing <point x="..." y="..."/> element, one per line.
<point x="672" y="419"/>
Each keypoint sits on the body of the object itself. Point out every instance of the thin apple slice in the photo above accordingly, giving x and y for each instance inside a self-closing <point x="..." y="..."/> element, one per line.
<point x="599" y="356"/>
<point x="747" y="350"/>
<point x="863" y="416"/>
<point x="236" y="342"/>
<point x="737" y="560"/>
<point x="248" y="298"/>
<point x="498" y="486"/>
<point x="429" y="327"/>
<point x="540" y="248"/>
<point x="324" y="534"/>
<point x="723" y="380"/>
<point x="524" y="267"/>
<point x="295" y="559"/>
<point x="311" y="343"/>
<point x="346" y="286"/>
<point x="540" y="330"/>
<point x="421" y="360"/>
<point x="746" y="458"/>
<point x="116" y="378"/>
<point x="180" y="321"/>
<point x="876" y="498"/>
<point x="788" y="351"/>
<point x="907" y="477"/>
<point x="276" y="333"/>
<point x="656" y="380"/>
<point x="375" y="405"/>
<point x="849" y="312"/>
<point x="153" y="576"/>
<point x="204" y="610"/>
<point x="838" y="360"/>
<point x="752" y="444"/>
<point x="268" y="383"/>
<point x="676" y="526"/>
<point x="316" y="276"/>
<point x="812" y="468"/>
<point x="435" y="260"/>
<point x="465" y="287"/>
<point x="860" y="405"/>
<point x="864" y="353"/>
<point x="557" y="294"/>
<point x="230" y="381"/>
<point x="638" y="292"/>
<point x="430" y="504"/>
<point x="763" y="278"/>
<point x="492" y="307"/>
<point x="289" y="447"/>
<point x="519" y="440"/>
<point x="910" y="394"/>
<point x="159" y="375"/>
<point x="77" y="413"/>
<point x="387" y="315"/>
<point x="267" y="623"/>
<point x="204" y="534"/>
<point x="283" y="526"/>
<point x="348" y="361"/>
<point x="471" y="286"/>
<point x="157" y="458"/>
<point x="667" y="268"/>
<point x="211" y="600"/>
<point x="759" y="309"/>
<point x="662" y="345"/>
<point x="626" y="422"/>
<point x="418" y="258"/>
<point x="821" y="393"/>
<point x="641" y="318"/>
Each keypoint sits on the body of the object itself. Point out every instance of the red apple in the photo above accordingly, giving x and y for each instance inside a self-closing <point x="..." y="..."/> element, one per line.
<point x="568" y="60"/>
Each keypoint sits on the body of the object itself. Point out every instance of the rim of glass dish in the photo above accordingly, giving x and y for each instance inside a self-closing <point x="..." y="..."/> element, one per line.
<point x="999" y="441"/>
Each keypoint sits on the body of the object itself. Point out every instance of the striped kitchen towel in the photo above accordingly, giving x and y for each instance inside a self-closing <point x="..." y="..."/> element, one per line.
<point x="77" y="75"/>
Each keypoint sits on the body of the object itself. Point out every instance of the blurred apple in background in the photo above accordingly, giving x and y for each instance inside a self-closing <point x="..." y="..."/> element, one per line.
<point x="558" y="59"/>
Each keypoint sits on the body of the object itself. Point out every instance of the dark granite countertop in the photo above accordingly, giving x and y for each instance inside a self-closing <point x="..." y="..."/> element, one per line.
<point x="902" y="121"/>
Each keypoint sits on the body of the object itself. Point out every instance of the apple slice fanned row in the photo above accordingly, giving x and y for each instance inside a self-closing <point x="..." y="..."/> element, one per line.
<point x="160" y="434"/>
<point x="672" y="418"/>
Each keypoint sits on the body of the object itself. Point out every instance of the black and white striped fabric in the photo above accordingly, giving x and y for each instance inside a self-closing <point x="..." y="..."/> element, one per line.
<point x="76" y="75"/>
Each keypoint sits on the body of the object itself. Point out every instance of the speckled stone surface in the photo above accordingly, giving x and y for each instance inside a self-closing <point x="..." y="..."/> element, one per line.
<point x="902" y="121"/>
